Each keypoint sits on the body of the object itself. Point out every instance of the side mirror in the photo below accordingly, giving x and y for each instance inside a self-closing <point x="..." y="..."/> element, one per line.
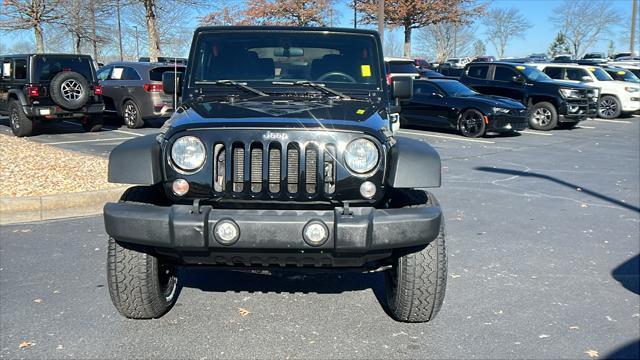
<point x="402" y="87"/>
<point x="172" y="82"/>
<point x="438" y="95"/>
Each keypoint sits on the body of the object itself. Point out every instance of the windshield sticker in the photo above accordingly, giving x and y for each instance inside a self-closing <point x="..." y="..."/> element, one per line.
<point x="592" y="69"/>
<point x="520" y="67"/>
<point x="365" y="70"/>
<point x="360" y="111"/>
<point x="621" y="72"/>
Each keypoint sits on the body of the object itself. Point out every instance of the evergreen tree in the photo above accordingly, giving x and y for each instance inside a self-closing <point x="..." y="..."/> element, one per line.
<point x="559" y="46"/>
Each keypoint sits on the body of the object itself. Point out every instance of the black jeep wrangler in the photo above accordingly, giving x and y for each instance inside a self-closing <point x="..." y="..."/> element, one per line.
<point x="47" y="87"/>
<point x="281" y="155"/>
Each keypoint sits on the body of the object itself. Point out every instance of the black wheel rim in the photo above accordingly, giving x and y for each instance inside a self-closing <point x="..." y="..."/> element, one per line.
<point x="608" y="107"/>
<point x="15" y="120"/>
<point x="130" y="114"/>
<point x="167" y="276"/>
<point x="471" y="123"/>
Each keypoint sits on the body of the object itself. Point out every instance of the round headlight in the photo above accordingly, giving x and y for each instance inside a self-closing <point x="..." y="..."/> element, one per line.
<point x="361" y="156"/>
<point x="188" y="153"/>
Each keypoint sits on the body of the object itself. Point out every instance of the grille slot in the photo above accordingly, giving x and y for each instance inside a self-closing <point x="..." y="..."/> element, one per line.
<point x="293" y="164"/>
<point x="256" y="169"/>
<point x="274" y="170"/>
<point x="238" y="168"/>
<point x="218" y="168"/>
<point x="311" y="163"/>
<point x="329" y="169"/>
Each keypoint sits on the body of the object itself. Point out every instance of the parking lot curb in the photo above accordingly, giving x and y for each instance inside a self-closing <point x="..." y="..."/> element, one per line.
<point x="15" y="210"/>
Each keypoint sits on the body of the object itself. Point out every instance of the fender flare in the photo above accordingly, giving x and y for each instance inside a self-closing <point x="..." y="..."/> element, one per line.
<point x="413" y="164"/>
<point x="136" y="161"/>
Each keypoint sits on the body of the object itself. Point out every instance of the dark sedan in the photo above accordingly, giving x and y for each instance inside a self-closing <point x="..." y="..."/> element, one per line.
<point x="449" y="104"/>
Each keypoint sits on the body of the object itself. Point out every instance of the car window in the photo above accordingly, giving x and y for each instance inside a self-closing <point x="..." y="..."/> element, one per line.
<point x="623" y="75"/>
<point x="504" y="73"/>
<point x="478" y="71"/>
<point x="402" y="67"/>
<point x="103" y="73"/>
<point x="130" y="74"/>
<point x="600" y="74"/>
<point x="49" y="66"/>
<point x="576" y="74"/>
<point x="554" y="72"/>
<point x="155" y="74"/>
<point x="425" y="89"/>
<point x="20" y="69"/>
<point x="456" y="88"/>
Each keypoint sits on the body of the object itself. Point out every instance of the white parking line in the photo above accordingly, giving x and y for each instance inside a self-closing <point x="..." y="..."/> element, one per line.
<point x="86" y="141"/>
<point x="446" y="137"/>
<point x="613" y="121"/>
<point x="111" y="129"/>
<point x="536" y="133"/>
<point x="585" y="127"/>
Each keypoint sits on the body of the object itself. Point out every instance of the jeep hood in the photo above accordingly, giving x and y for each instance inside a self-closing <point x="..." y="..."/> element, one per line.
<point x="352" y="115"/>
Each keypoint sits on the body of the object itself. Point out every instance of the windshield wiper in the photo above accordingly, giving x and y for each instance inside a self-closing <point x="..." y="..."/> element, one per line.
<point x="239" y="85"/>
<point x="311" y="84"/>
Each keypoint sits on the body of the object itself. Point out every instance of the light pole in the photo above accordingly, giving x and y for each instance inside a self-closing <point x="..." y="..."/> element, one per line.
<point x="634" y="16"/>
<point x="119" y="29"/>
<point x="355" y="14"/>
<point x="137" y="44"/>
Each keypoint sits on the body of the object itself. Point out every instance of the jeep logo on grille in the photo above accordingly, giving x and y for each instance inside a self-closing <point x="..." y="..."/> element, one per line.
<point x="275" y="136"/>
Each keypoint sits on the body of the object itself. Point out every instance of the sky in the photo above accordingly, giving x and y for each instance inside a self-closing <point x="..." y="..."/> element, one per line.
<point x="536" y="39"/>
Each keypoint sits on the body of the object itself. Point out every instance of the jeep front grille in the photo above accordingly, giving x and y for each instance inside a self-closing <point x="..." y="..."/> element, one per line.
<point x="243" y="170"/>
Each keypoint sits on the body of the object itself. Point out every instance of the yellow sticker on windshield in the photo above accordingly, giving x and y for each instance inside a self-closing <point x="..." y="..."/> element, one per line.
<point x="592" y="69"/>
<point x="520" y="67"/>
<point x="620" y="72"/>
<point x="365" y="70"/>
<point x="360" y="111"/>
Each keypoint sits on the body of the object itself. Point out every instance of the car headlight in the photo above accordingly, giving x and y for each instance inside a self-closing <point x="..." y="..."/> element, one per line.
<point x="570" y="93"/>
<point x="500" y="110"/>
<point x="188" y="153"/>
<point x="632" y="89"/>
<point x="361" y="156"/>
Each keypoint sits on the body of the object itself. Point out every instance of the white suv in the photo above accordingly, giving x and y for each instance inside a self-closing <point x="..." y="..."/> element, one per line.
<point x="616" y="97"/>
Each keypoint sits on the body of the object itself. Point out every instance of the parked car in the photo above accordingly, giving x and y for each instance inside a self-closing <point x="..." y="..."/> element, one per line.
<point x="133" y="91"/>
<point x="550" y="103"/>
<point x="38" y="88"/>
<point x="633" y="67"/>
<point x="621" y="74"/>
<point x="427" y="73"/>
<point x="563" y="58"/>
<point x="299" y="170"/>
<point x="169" y="60"/>
<point x="595" y="56"/>
<point x="421" y="64"/>
<point x="449" y="104"/>
<point x="484" y="59"/>
<point x="616" y="97"/>
<point x="621" y="55"/>
<point x="400" y="67"/>
<point x="538" y="58"/>
<point x="458" y="63"/>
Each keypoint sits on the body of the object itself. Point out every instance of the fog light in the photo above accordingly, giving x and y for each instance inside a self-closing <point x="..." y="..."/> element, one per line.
<point x="367" y="189"/>
<point x="180" y="187"/>
<point x="573" y="108"/>
<point x="226" y="232"/>
<point x="315" y="233"/>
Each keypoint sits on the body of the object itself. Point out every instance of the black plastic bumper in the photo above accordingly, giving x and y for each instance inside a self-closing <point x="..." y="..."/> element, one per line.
<point x="365" y="230"/>
<point x="55" y="112"/>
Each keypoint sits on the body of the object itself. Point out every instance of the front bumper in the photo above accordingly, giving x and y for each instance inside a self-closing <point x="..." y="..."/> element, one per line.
<point x="631" y="103"/>
<point x="507" y="122"/>
<point x="272" y="237"/>
<point x="56" y="112"/>
<point x="578" y="110"/>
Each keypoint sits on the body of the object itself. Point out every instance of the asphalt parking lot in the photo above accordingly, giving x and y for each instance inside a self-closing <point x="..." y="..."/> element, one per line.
<point x="543" y="242"/>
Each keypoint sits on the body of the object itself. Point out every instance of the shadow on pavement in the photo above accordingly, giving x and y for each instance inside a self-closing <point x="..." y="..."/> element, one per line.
<point x="628" y="274"/>
<point x="628" y="351"/>
<point x="489" y="135"/>
<point x="561" y="182"/>
<point x="281" y="281"/>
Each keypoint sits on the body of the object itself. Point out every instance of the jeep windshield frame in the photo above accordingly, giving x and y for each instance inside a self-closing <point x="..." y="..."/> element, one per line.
<point x="266" y="57"/>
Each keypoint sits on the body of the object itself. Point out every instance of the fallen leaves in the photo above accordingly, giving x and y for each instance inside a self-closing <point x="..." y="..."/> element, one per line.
<point x="38" y="301"/>
<point x="25" y="344"/>
<point x="543" y="336"/>
<point x="454" y="275"/>
<point x="243" y="312"/>
<point x="592" y="353"/>
<point x="573" y="328"/>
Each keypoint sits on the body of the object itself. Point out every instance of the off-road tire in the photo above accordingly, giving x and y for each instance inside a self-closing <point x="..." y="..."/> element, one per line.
<point x="21" y="125"/>
<point x="93" y="123"/>
<point x="415" y="286"/>
<point x="543" y="107"/>
<point x="613" y="107"/>
<point x="131" y="115"/>
<point x="66" y="78"/>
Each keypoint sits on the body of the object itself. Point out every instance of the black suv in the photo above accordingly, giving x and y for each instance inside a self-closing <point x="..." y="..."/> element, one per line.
<point x="280" y="155"/>
<point x="49" y="87"/>
<point x="551" y="103"/>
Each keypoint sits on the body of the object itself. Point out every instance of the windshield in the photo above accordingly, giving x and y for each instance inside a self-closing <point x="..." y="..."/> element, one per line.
<point x="49" y="66"/>
<point x="455" y="88"/>
<point x="348" y="61"/>
<point x="532" y="73"/>
<point x="402" y="67"/>
<point x="600" y="74"/>
<point x="623" y="75"/>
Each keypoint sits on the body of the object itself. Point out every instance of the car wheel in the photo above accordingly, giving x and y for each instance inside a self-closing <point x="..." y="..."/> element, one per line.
<point x="131" y="115"/>
<point x="543" y="116"/>
<point x="609" y="107"/>
<point x="92" y="123"/>
<point x="141" y="285"/>
<point x="21" y="125"/>
<point x="415" y="285"/>
<point x="472" y="123"/>
<point x="70" y="90"/>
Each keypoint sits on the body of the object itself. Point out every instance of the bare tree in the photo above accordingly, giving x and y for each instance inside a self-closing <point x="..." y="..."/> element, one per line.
<point x="584" y="22"/>
<point x="444" y="39"/>
<point x="21" y="47"/>
<point x="503" y="25"/>
<point x="289" y="12"/>
<point x="478" y="48"/>
<point x="225" y="15"/>
<point x="391" y="46"/>
<point x="29" y="15"/>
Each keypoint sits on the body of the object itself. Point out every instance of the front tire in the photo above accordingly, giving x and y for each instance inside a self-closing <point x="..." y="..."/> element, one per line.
<point x="21" y="125"/>
<point x="609" y="107"/>
<point x="416" y="283"/>
<point x="543" y="116"/>
<point x="472" y="124"/>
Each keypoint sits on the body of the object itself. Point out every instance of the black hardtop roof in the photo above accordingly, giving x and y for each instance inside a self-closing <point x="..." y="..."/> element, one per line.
<point x="143" y="64"/>
<point x="499" y="63"/>
<point x="286" y="28"/>
<point x="47" y="54"/>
